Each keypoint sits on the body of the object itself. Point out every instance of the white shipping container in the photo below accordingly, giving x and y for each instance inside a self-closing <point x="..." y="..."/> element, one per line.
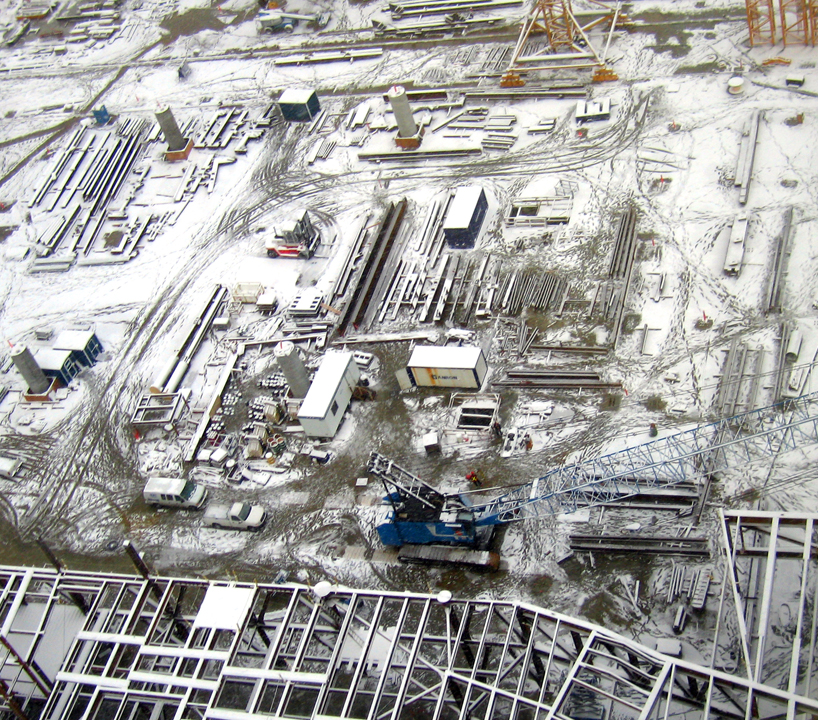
<point x="456" y="367"/>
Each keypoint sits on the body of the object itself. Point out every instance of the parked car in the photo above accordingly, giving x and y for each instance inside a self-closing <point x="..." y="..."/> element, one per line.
<point x="238" y="516"/>
<point x="174" y="492"/>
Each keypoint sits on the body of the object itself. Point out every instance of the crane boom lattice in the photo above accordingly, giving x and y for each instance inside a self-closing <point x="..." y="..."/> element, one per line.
<point x="665" y="462"/>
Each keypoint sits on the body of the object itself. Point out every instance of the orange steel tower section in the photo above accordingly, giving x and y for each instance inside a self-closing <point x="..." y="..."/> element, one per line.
<point x="795" y="25"/>
<point x="812" y="21"/>
<point x="568" y="45"/>
<point x="761" y="21"/>
<point x="553" y="17"/>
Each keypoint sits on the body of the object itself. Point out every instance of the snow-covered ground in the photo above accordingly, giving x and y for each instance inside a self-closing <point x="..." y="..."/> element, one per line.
<point x="670" y="149"/>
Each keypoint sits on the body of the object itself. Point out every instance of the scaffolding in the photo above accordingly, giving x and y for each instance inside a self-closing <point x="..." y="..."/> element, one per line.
<point x="105" y="646"/>
<point x="567" y="44"/>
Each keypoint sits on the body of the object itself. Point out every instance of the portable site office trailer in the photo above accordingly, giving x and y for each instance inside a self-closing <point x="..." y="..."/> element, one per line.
<point x="299" y="104"/>
<point x="329" y="395"/>
<point x="83" y="344"/>
<point x="436" y="366"/>
<point x="465" y="217"/>
<point x="58" y="364"/>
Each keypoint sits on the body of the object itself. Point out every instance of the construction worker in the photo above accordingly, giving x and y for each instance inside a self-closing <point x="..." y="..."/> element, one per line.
<point x="473" y="478"/>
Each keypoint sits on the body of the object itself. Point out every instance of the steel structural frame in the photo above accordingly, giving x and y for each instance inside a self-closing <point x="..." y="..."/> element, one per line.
<point x="795" y="25"/>
<point x="760" y="21"/>
<point x="687" y="455"/>
<point x="345" y="653"/>
<point x="772" y="562"/>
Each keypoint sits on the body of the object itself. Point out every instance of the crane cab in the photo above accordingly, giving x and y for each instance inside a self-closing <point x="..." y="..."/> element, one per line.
<point x="450" y="527"/>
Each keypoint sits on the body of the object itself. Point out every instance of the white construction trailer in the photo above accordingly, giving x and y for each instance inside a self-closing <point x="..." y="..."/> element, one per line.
<point x="443" y="366"/>
<point x="329" y="395"/>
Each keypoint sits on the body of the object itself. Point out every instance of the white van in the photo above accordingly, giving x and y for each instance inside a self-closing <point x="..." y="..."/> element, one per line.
<point x="174" y="492"/>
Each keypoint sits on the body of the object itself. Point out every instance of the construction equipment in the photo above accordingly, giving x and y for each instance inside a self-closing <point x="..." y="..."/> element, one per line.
<point x="270" y="22"/>
<point x="414" y="512"/>
<point x="296" y="238"/>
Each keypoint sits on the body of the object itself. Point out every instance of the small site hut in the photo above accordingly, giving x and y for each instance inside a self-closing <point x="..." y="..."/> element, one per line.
<point x="59" y="364"/>
<point x="299" y="104"/>
<point x="84" y="345"/>
<point x="9" y="467"/>
<point x="329" y="395"/>
<point x="465" y="217"/>
<point x="457" y="367"/>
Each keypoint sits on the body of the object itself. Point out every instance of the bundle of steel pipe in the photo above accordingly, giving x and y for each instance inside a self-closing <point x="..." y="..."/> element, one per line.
<point x="640" y="544"/>
<point x="782" y="249"/>
<point x="556" y="379"/>
<point x="59" y="164"/>
<point x="432" y="7"/>
<point x="418" y="155"/>
<point x="528" y="290"/>
<point x="624" y="245"/>
<point x="356" y="309"/>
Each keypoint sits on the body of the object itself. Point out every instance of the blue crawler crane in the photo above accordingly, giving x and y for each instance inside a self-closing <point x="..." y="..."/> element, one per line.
<point x="415" y="513"/>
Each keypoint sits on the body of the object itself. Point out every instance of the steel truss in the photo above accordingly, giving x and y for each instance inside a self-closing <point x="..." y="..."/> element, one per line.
<point x="685" y="456"/>
<point x="568" y="46"/>
<point x="163" y="648"/>
<point x="760" y="22"/>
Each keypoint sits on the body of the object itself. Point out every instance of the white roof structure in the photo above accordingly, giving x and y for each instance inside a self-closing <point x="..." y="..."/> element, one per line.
<point x="73" y="339"/>
<point x="224" y="608"/>
<point x="437" y="356"/>
<point x="296" y="96"/>
<point x="577" y="664"/>
<point x="51" y="358"/>
<point x="462" y="208"/>
<point x="325" y="384"/>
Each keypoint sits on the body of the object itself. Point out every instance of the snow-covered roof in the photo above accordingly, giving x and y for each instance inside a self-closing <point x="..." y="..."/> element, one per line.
<point x="296" y="96"/>
<point x="51" y="358"/>
<point x="73" y="339"/>
<point x="462" y="208"/>
<point x="164" y="485"/>
<point x="437" y="356"/>
<point x="325" y="384"/>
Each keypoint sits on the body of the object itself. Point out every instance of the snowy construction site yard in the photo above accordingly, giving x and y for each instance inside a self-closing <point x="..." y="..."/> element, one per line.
<point x="639" y="275"/>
